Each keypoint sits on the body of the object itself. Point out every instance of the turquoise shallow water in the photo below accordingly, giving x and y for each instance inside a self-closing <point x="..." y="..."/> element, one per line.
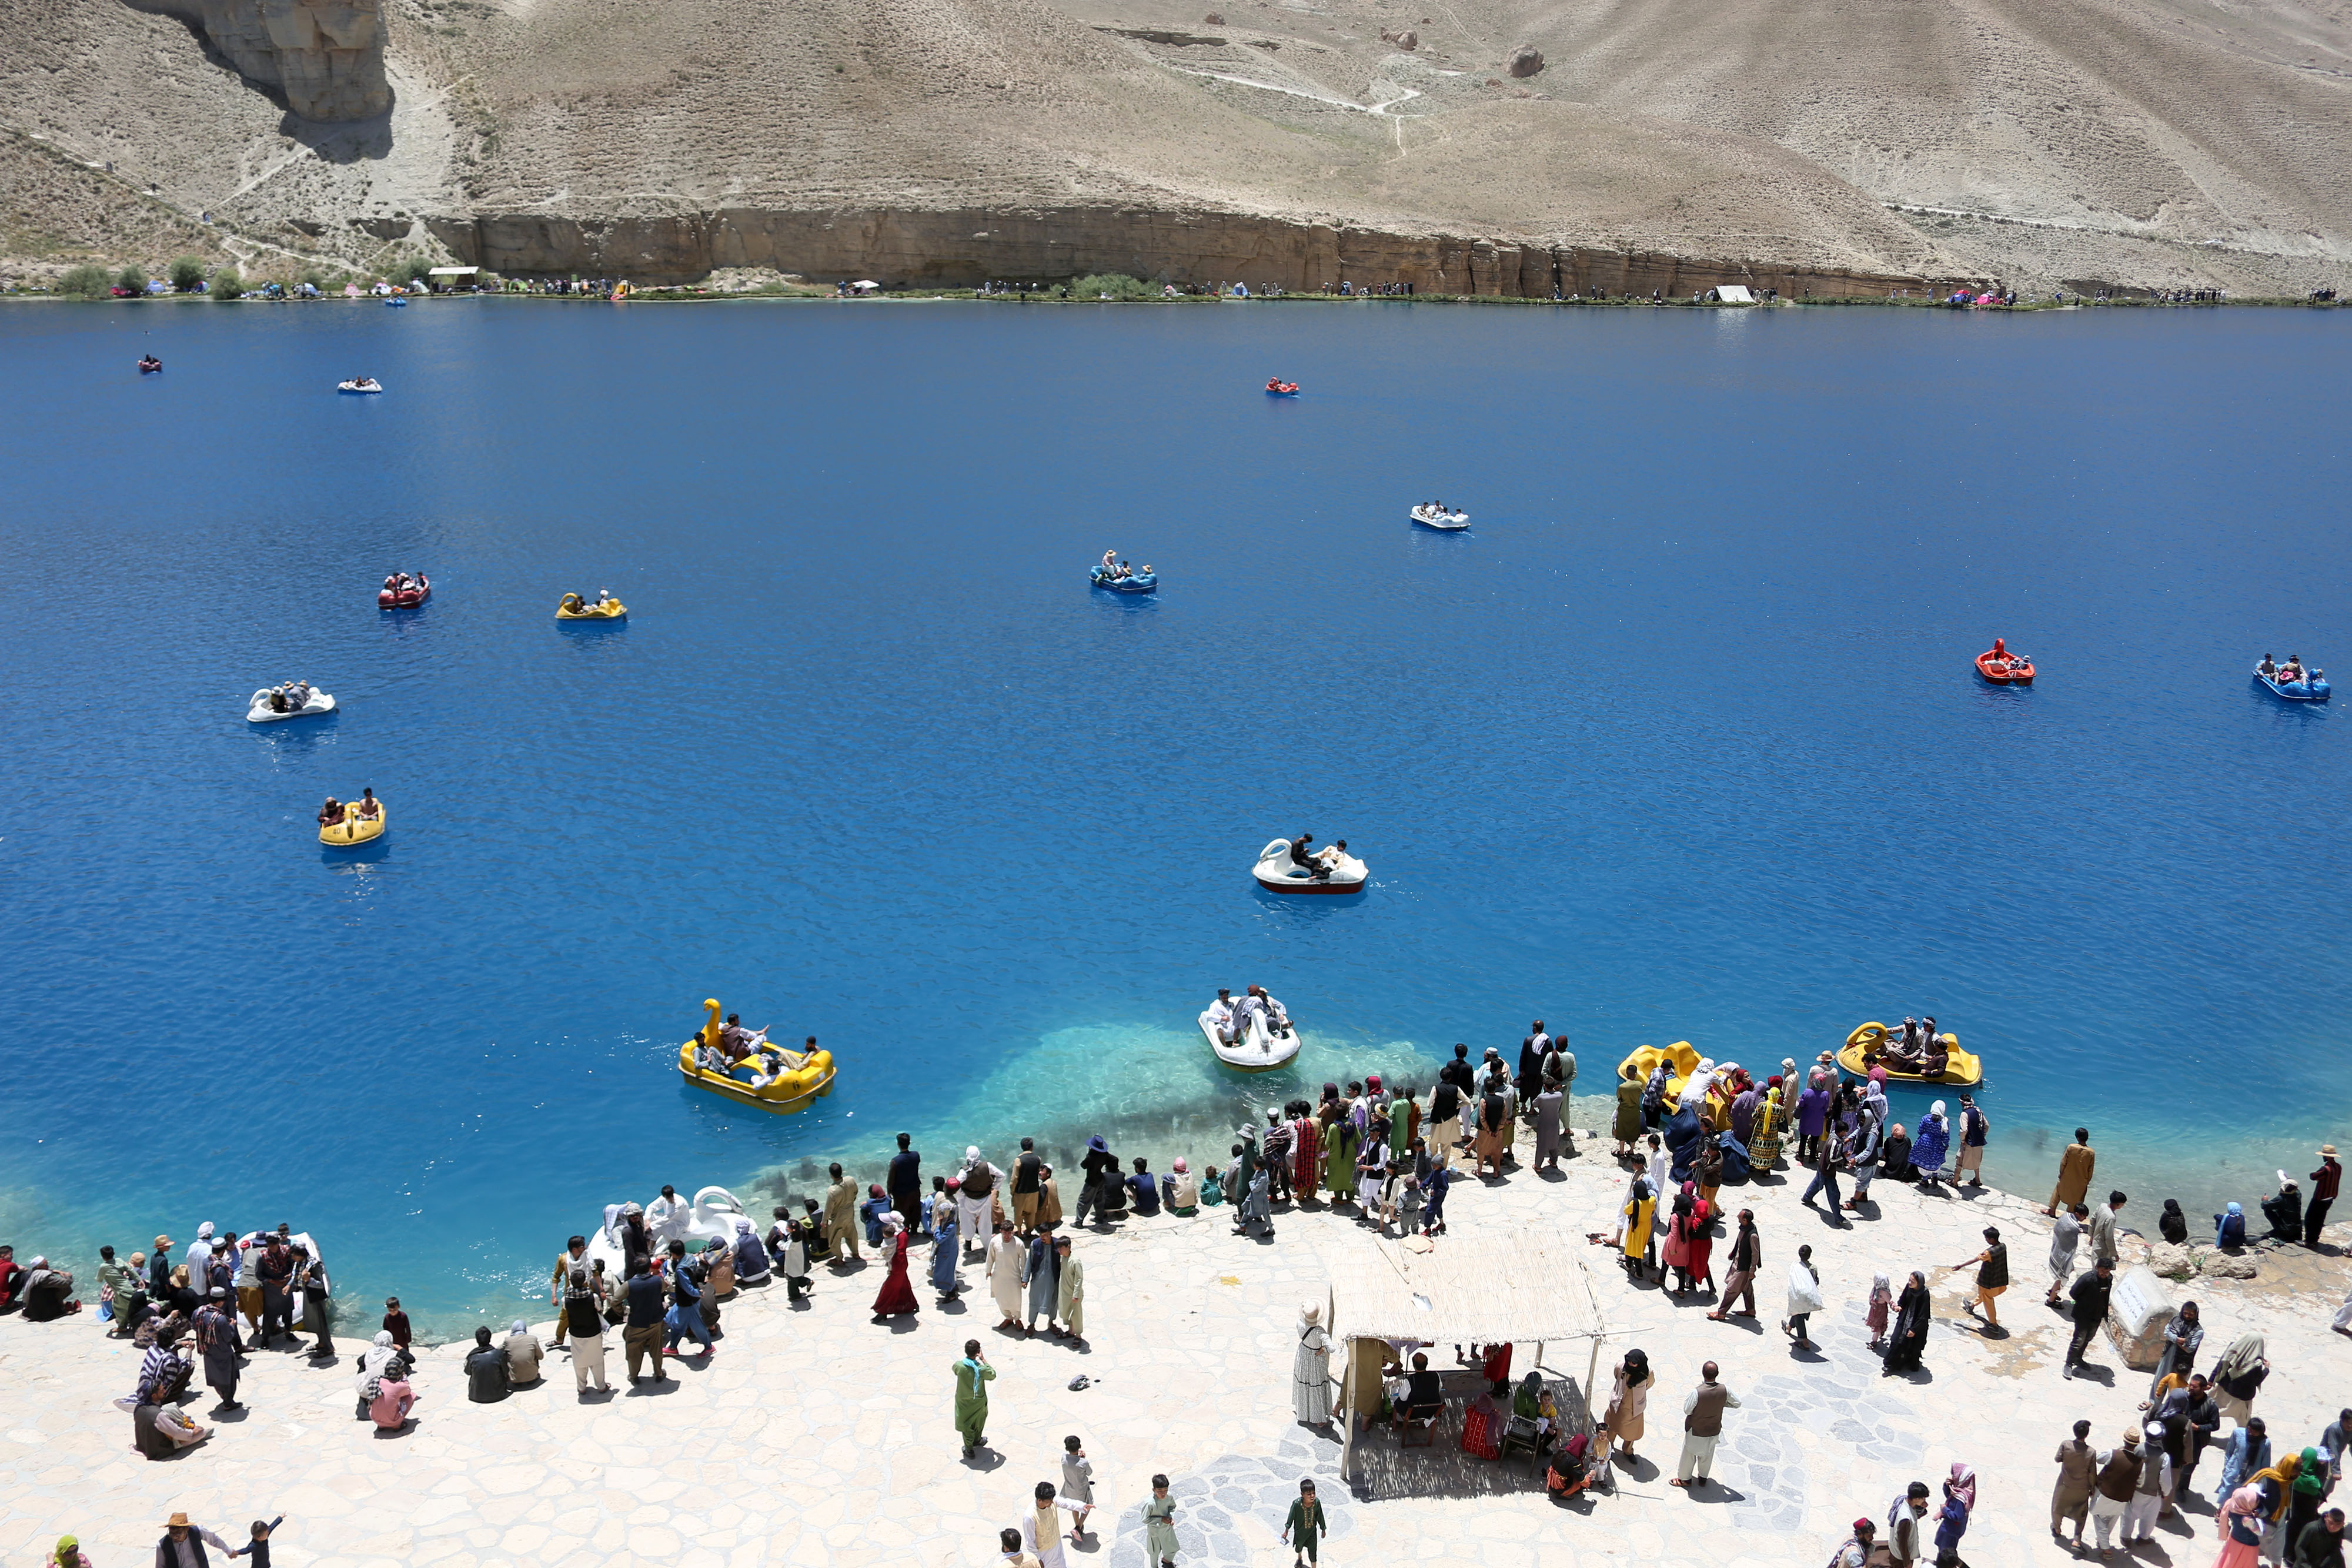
<point x="1681" y="741"/>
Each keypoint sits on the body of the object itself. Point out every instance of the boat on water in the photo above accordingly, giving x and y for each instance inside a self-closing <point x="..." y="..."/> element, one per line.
<point x="572" y="607"/>
<point x="363" y="387"/>
<point x="396" y="300"/>
<point x="402" y="592"/>
<point x="1281" y="389"/>
<point x="769" y="1078"/>
<point x="1998" y="665"/>
<point x="271" y="704"/>
<point x="1429" y="515"/>
<point x="2312" y="688"/>
<point x="1263" y="1048"/>
<point x="1144" y="581"/>
<point x="352" y="828"/>
<point x="150" y="365"/>
<point x="1866" y="1045"/>
<point x="1276" y="872"/>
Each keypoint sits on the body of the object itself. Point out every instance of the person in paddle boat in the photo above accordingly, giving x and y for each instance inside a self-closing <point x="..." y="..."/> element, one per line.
<point x="1147" y="569"/>
<point x="1330" y="859"/>
<point x="1223" y="1016"/>
<point x="2266" y="669"/>
<point x="367" y="807"/>
<point x="2292" y="671"/>
<point x="1306" y="862"/>
<point x="330" y="813"/>
<point x="1110" y="563"/>
<point x="604" y="598"/>
<point x="150" y="362"/>
<point x="1277" y="1018"/>
<point x="737" y="1042"/>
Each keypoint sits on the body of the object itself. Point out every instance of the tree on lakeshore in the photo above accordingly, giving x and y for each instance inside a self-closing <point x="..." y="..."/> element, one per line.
<point x="226" y="284"/>
<point x="186" y="273"/>
<point x="85" y="282"/>
<point x="131" y="281"/>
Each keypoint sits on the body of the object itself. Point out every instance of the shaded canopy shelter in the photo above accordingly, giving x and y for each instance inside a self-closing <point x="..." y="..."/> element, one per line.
<point x="1730" y="294"/>
<point x="1501" y="1290"/>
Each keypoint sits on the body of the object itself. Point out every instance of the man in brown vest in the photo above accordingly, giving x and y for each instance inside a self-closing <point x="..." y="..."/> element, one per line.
<point x="2118" y="1478"/>
<point x="1702" y="1426"/>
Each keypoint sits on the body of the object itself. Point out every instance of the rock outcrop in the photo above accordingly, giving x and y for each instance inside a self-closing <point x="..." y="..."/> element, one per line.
<point x="1526" y="61"/>
<point x="325" y="56"/>
<point x="959" y="248"/>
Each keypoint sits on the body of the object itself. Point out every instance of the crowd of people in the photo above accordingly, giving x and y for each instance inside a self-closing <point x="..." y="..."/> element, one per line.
<point x="1390" y="1153"/>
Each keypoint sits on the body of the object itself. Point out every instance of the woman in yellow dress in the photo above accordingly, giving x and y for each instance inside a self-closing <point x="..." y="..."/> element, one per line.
<point x="1640" y="1209"/>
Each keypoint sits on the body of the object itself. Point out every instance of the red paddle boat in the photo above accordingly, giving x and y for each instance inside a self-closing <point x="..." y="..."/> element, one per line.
<point x="402" y="592"/>
<point x="2003" y="668"/>
<point x="1281" y="389"/>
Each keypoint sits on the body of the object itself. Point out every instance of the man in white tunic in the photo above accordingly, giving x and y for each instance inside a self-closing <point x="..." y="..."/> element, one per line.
<point x="1310" y="1394"/>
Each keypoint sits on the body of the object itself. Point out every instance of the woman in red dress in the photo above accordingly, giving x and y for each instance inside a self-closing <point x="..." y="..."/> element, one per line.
<point x="1306" y="1155"/>
<point x="897" y="1297"/>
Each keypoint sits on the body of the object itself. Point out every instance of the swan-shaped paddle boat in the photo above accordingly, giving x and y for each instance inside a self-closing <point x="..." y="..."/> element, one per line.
<point x="1438" y="517"/>
<point x="1144" y="581"/>
<point x="1681" y="1061"/>
<point x="1998" y="665"/>
<point x="1274" y="872"/>
<point x="572" y="608"/>
<point x="354" y="829"/>
<point x="271" y="704"/>
<point x="364" y="387"/>
<point x="1962" y="1070"/>
<point x="770" y="1078"/>
<point x="2312" y="688"/>
<point x="710" y="1216"/>
<point x="1264" y="1048"/>
<point x="418" y="590"/>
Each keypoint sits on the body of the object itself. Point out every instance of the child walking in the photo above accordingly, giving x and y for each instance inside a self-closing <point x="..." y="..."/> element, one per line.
<point x="1077" y="1486"/>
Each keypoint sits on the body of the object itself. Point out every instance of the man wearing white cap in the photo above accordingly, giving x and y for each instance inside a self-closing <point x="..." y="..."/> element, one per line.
<point x="975" y="1197"/>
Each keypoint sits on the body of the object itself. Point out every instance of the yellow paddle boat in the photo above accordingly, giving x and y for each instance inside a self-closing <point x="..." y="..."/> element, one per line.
<point x="1681" y="1062"/>
<point x="778" y="1080"/>
<point x="572" y="608"/>
<point x="354" y="829"/>
<point x="1962" y="1070"/>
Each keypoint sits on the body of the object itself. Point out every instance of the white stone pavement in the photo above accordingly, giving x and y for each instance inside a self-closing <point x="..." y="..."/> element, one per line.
<point x="818" y="1438"/>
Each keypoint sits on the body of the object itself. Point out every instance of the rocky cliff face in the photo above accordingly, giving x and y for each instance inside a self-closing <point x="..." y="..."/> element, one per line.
<point x="325" y="56"/>
<point x="956" y="249"/>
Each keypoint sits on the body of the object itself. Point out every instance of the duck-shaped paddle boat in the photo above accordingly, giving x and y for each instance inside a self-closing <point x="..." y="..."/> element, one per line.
<point x="1866" y="1045"/>
<point x="572" y="607"/>
<point x="342" y="825"/>
<point x="2003" y="668"/>
<point x="769" y="1079"/>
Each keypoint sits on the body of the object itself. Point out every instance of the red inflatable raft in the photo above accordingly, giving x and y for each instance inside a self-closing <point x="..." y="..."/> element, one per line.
<point x="405" y="598"/>
<point x="2003" y="668"/>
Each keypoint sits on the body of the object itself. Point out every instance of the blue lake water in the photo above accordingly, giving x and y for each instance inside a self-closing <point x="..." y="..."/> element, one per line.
<point x="1681" y="741"/>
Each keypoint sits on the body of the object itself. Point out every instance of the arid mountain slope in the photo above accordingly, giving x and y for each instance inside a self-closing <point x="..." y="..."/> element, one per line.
<point x="1666" y="144"/>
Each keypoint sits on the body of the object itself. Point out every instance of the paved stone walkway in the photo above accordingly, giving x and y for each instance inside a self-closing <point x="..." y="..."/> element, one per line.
<point x="818" y="1438"/>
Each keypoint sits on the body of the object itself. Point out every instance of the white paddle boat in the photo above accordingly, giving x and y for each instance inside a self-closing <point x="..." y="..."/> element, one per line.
<point x="1276" y="873"/>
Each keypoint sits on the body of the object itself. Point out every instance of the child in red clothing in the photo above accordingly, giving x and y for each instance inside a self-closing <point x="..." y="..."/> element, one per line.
<point x="395" y="1323"/>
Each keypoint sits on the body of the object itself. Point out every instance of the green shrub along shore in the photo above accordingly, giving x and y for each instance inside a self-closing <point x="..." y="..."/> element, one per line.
<point x="189" y="276"/>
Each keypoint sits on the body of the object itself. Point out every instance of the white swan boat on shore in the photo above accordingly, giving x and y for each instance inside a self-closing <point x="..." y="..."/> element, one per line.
<point x="1263" y="1051"/>
<point x="710" y="1216"/>
<point x="1437" y="518"/>
<point x="1274" y="872"/>
<point x="260" y="709"/>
